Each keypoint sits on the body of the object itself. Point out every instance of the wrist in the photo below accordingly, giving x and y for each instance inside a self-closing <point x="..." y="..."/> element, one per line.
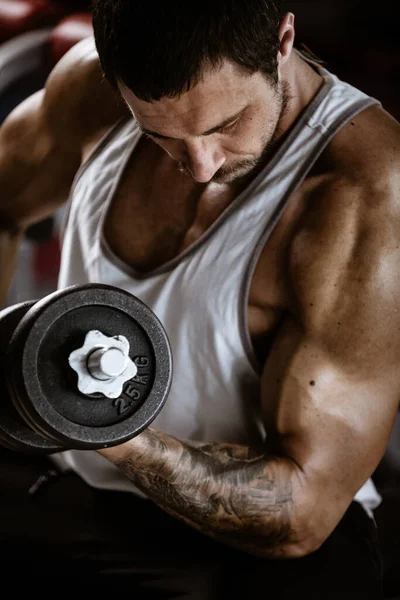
<point x="131" y="450"/>
<point x="151" y="450"/>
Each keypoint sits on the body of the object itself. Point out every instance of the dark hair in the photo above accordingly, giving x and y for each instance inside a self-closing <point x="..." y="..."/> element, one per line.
<point x="160" y="50"/>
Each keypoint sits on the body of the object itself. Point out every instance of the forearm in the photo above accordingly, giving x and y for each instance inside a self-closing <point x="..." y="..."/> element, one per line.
<point x="220" y="489"/>
<point x="9" y="248"/>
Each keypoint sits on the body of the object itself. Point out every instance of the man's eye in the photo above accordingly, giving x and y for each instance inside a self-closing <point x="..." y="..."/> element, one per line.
<point x="229" y="128"/>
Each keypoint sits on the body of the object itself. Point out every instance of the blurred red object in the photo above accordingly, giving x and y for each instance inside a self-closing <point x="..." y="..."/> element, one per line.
<point x="68" y="32"/>
<point x="20" y="16"/>
<point x="46" y="259"/>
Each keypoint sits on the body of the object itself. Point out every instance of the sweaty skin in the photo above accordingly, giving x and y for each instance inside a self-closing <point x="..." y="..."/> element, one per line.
<point x="323" y="306"/>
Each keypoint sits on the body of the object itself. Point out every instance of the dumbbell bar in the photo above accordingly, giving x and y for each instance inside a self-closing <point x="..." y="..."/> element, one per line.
<point x="87" y="367"/>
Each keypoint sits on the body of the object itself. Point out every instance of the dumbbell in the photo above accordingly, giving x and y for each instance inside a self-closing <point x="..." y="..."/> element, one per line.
<point x="86" y="367"/>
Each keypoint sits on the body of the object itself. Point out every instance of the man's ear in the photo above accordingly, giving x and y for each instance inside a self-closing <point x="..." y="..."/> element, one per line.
<point x="286" y="38"/>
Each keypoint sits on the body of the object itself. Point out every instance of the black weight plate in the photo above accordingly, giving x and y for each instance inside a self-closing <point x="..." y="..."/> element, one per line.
<point x="46" y="387"/>
<point x="14" y="432"/>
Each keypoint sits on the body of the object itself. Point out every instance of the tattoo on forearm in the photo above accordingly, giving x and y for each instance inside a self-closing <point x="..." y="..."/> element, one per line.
<point x="222" y="490"/>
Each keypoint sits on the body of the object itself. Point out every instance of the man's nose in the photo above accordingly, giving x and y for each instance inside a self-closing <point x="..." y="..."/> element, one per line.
<point x="204" y="159"/>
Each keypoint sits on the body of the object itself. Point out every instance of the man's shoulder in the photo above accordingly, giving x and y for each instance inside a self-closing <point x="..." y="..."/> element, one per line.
<point x="356" y="182"/>
<point x="80" y="101"/>
<point x="350" y="227"/>
<point x="366" y="150"/>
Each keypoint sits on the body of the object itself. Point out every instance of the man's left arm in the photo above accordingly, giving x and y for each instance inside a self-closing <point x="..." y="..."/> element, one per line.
<point x="223" y="490"/>
<point x="330" y="392"/>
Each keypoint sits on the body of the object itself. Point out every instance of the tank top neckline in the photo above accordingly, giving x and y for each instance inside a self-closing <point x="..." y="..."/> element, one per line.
<point x="169" y="265"/>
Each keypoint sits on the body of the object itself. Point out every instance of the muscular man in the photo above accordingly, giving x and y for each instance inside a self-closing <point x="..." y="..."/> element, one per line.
<point x="250" y="198"/>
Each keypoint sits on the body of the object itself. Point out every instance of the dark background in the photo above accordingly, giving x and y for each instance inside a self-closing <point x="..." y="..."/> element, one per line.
<point x="358" y="39"/>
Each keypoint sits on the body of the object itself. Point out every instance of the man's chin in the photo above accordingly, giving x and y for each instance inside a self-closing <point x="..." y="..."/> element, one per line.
<point x="228" y="175"/>
<point x="230" y="178"/>
<point x="236" y="174"/>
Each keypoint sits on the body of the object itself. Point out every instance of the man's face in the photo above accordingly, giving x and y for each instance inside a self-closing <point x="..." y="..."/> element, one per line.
<point x="221" y="129"/>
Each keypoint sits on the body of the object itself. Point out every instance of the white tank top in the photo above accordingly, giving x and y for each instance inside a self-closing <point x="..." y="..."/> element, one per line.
<point x="201" y="296"/>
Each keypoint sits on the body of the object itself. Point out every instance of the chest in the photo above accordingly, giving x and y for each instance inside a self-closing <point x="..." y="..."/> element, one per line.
<point x="157" y="213"/>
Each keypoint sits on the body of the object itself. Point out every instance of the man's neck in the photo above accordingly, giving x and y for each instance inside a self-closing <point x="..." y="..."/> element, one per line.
<point x="303" y="83"/>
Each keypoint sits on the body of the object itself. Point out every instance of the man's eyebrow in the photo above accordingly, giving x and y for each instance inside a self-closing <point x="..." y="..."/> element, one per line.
<point x="215" y="129"/>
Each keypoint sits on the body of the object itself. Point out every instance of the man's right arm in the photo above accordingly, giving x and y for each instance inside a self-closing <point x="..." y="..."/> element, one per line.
<point x="42" y="142"/>
<point x="36" y="170"/>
